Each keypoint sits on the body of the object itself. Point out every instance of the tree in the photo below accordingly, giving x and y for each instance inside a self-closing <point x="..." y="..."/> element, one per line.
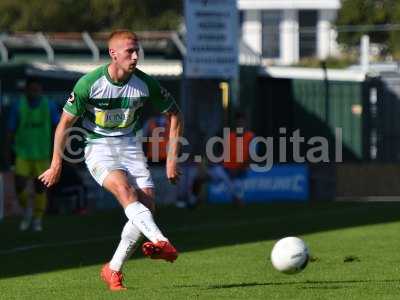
<point x="394" y="36"/>
<point x="358" y="17"/>
<point x="363" y="15"/>
<point x="89" y="15"/>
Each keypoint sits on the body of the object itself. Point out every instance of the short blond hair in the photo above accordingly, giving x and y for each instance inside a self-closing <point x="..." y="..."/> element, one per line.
<point x="122" y="34"/>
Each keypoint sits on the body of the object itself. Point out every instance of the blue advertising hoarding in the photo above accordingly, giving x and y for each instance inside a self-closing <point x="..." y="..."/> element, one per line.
<point x="281" y="183"/>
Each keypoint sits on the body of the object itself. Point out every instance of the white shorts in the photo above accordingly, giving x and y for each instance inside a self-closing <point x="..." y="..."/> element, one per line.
<point x="118" y="153"/>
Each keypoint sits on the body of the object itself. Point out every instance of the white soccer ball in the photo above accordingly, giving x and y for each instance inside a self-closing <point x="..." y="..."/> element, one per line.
<point x="290" y="255"/>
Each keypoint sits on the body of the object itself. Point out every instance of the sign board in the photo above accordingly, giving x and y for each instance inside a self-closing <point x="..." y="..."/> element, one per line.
<point x="281" y="183"/>
<point x="212" y="39"/>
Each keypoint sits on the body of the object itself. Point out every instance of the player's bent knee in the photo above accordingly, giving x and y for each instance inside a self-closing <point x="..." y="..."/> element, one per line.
<point x="147" y="197"/>
<point x="124" y="191"/>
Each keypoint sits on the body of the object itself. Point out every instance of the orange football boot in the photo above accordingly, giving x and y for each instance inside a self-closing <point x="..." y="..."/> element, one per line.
<point x="113" y="279"/>
<point x="160" y="250"/>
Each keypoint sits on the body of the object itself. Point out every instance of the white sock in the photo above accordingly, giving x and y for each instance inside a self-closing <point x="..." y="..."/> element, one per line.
<point x="129" y="240"/>
<point x="141" y="216"/>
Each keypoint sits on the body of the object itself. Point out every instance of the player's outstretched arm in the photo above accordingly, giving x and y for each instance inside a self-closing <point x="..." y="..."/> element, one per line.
<point x="175" y="132"/>
<point x="52" y="174"/>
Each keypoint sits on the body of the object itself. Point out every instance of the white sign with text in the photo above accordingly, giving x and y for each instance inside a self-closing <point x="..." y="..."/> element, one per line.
<point x="212" y="39"/>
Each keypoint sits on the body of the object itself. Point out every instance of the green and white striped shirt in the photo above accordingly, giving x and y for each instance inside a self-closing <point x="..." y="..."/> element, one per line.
<point x="111" y="108"/>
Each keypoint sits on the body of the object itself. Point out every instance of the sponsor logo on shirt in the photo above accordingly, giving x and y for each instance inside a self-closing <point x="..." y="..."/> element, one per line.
<point x="114" y="118"/>
<point x="71" y="98"/>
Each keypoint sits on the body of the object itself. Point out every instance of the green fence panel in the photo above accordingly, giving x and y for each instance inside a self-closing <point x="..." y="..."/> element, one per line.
<point x="322" y="108"/>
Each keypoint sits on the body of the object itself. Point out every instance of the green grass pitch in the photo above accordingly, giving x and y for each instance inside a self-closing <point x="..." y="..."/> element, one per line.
<point x="224" y="254"/>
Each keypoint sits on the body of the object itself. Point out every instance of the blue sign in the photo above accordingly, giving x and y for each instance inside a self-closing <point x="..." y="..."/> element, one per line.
<point x="281" y="183"/>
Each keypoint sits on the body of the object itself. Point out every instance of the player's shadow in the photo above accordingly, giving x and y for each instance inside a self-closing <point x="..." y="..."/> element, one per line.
<point x="308" y="284"/>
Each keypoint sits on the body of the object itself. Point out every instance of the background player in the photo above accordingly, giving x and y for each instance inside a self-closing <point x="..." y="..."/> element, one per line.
<point x="30" y="124"/>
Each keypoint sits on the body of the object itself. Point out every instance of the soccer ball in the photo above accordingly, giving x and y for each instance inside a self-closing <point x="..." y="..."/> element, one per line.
<point x="290" y="255"/>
